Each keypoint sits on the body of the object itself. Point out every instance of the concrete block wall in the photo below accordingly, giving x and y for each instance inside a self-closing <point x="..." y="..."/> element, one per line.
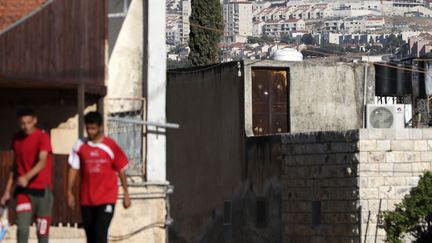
<point x="320" y="168"/>
<point x="390" y="163"/>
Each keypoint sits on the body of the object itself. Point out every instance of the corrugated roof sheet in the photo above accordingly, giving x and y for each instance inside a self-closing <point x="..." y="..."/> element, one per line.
<point x="13" y="10"/>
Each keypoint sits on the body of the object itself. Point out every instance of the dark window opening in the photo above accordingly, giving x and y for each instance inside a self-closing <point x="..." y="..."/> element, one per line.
<point x="261" y="213"/>
<point x="316" y="213"/>
<point x="227" y="215"/>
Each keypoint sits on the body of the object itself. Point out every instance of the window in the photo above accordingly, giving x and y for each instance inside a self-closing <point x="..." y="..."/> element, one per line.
<point x="227" y="213"/>
<point x="261" y="212"/>
<point x="316" y="213"/>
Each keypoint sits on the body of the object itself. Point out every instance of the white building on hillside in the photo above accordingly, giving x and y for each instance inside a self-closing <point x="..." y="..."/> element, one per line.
<point x="237" y="20"/>
<point x="186" y="11"/>
<point x="279" y="28"/>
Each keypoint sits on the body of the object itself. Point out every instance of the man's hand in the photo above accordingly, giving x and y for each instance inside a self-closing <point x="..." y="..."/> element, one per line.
<point x="71" y="200"/>
<point x="5" y="198"/>
<point x="126" y="201"/>
<point x="22" y="181"/>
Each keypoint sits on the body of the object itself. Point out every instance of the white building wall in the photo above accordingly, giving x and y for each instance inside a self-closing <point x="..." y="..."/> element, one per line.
<point x="156" y="91"/>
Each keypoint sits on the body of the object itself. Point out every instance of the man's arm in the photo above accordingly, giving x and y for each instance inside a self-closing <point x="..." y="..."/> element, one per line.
<point x="126" y="199"/>
<point x="72" y="175"/>
<point x="40" y="165"/>
<point x="8" y="190"/>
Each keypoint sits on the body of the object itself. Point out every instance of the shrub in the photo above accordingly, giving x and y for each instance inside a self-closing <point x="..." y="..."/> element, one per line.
<point x="413" y="216"/>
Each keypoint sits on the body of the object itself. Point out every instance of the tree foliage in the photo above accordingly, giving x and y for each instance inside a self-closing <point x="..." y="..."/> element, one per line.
<point x="392" y="43"/>
<point x="308" y="39"/>
<point x="265" y="39"/>
<point x="206" y="31"/>
<point x="413" y="216"/>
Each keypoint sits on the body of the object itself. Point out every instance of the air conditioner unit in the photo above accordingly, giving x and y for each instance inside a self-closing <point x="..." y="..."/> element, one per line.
<point x="386" y="116"/>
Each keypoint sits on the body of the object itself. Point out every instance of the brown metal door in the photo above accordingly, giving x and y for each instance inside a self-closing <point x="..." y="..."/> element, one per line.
<point x="270" y="101"/>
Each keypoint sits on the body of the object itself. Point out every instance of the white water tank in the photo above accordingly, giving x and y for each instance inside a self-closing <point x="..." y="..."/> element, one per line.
<point x="288" y="54"/>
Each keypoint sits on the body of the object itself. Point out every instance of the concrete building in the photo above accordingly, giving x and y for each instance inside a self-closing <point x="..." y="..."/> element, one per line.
<point x="408" y="3"/>
<point x="279" y="28"/>
<point x="419" y="45"/>
<point x="293" y="11"/>
<point x="232" y="188"/>
<point x="373" y="24"/>
<point x="173" y="29"/>
<point x="302" y="171"/>
<point x="186" y="11"/>
<point x="237" y="20"/>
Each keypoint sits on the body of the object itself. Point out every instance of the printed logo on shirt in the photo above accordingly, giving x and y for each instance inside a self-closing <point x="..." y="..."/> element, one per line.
<point x="24" y="207"/>
<point x="108" y="209"/>
<point x="94" y="153"/>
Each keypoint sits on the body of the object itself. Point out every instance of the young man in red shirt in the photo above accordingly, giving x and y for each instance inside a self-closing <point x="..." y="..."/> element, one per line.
<point x="32" y="172"/>
<point x="98" y="159"/>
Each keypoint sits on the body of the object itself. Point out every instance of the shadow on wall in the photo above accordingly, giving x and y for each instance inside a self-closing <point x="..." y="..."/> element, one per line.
<point x="251" y="216"/>
<point x="54" y="108"/>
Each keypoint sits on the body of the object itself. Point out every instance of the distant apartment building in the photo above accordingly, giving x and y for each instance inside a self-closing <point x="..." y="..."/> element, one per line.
<point x="303" y="11"/>
<point x="372" y="24"/>
<point x="173" y="29"/>
<point x="258" y="27"/>
<point x="178" y="24"/>
<point x="333" y="25"/>
<point x="408" y="3"/>
<point x="279" y="28"/>
<point x="354" y="25"/>
<point x="186" y="11"/>
<point x="237" y="16"/>
<point x="419" y="45"/>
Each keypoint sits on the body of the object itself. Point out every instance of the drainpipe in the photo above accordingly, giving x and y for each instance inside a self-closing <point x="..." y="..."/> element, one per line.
<point x="365" y="81"/>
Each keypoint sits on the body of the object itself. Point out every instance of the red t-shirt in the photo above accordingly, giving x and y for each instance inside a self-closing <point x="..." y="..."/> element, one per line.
<point x="27" y="149"/>
<point x="99" y="164"/>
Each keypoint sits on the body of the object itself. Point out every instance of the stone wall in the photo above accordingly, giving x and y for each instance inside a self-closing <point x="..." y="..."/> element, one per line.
<point x="390" y="165"/>
<point x="319" y="187"/>
<point x="318" y="91"/>
<point x="352" y="176"/>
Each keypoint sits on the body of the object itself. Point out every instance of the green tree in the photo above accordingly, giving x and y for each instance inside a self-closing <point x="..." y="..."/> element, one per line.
<point x="413" y="216"/>
<point x="206" y="32"/>
<point x="288" y="39"/>
<point x="260" y="40"/>
<point x="392" y="43"/>
<point x="308" y="39"/>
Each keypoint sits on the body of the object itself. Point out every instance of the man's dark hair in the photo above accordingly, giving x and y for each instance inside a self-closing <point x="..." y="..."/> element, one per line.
<point x="93" y="118"/>
<point x="25" y="112"/>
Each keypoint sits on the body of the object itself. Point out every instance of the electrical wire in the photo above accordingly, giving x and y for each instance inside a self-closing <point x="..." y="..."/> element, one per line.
<point x="332" y="53"/>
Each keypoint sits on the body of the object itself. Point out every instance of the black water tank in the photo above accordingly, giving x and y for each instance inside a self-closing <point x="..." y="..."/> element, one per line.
<point x="385" y="77"/>
<point x="403" y="77"/>
<point x="392" y="79"/>
<point x="422" y="80"/>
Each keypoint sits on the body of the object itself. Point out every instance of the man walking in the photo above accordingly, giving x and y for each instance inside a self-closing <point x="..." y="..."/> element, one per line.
<point x="32" y="173"/>
<point x="98" y="159"/>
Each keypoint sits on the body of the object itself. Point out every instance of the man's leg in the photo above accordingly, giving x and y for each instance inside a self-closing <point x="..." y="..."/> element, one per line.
<point x="88" y="215"/>
<point x="24" y="219"/>
<point x="103" y="220"/>
<point x="43" y="213"/>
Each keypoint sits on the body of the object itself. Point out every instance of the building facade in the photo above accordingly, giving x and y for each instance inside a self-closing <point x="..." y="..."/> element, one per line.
<point x="237" y="20"/>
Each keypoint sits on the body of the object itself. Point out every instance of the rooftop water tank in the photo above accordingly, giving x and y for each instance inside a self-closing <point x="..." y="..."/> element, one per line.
<point x="392" y="79"/>
<point x="288" y="55"/>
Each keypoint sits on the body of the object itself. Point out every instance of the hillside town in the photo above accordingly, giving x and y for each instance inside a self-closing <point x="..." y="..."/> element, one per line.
<point x="256" y="29"/>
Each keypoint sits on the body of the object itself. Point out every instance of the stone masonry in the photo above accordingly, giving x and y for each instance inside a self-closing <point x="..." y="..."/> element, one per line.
<point x="335" y="184"/>
<point x="390" y="163"/>
<point x="320" y="169"/>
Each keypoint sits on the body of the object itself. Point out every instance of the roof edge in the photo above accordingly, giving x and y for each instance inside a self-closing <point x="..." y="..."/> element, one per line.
<point x="26" y="17"/>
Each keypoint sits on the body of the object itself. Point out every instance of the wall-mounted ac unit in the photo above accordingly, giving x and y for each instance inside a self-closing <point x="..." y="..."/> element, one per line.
<point x="385" y="116"/>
